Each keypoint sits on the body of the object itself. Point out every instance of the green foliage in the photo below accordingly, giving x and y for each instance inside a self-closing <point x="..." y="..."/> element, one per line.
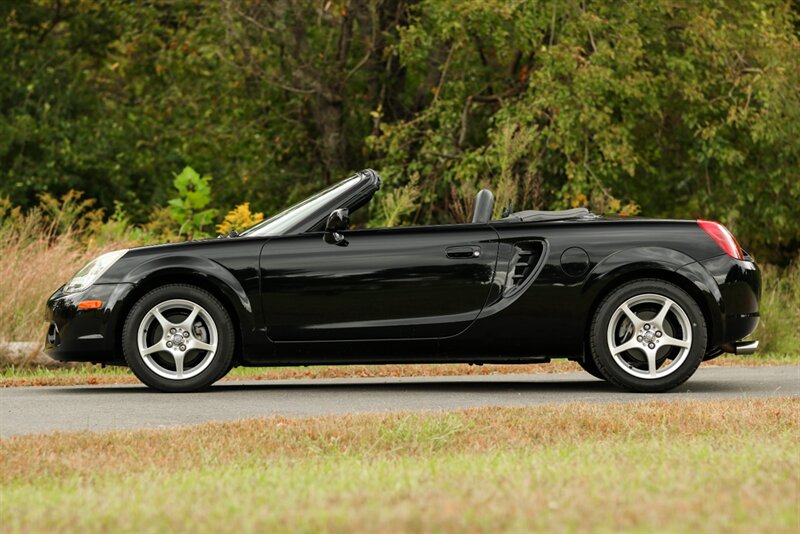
<point x="188" y="209"/>
<point x="396" y="204"/>
<point x="68" y="213"/>
<point x="780" y="309"/>
<point x="116" y="229"/>
<point x="685" y="112"/>
<point x="675" y="109"/>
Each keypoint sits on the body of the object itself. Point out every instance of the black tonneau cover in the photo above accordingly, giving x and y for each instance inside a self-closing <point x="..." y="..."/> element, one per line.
<point x="541" y="216"/>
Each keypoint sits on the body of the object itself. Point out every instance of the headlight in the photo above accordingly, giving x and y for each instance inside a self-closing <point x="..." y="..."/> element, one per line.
<point x="90" y="272"/>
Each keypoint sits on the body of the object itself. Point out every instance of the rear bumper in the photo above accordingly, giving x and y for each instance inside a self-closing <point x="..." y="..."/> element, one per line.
<point x="75" y="335"/>
<point x="733" y="291"/>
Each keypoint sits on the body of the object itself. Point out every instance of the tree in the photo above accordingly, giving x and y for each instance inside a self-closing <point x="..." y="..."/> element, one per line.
<point x="675" y="109"/>
<point x="685" y="110"/>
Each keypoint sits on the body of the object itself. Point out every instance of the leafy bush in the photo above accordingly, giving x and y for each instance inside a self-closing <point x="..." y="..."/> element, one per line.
<point x="238" y="219"/>
<point x="189" y="208"/>
<point x="70" y="212"/>
<point x="780" y="310"/>
<point x="118" y="228"/>
<point x="395" y="204"/>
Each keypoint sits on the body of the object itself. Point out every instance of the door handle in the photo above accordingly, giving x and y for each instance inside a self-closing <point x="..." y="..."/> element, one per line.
<point x="463" y="252"/>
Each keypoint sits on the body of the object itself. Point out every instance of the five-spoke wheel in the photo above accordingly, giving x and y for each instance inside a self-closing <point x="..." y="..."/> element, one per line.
<point x="178" y="338"/>
<point x="648" y="335"/>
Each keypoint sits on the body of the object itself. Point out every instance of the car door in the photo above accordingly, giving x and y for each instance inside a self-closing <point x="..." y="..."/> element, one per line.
<point x="391" y="283"/>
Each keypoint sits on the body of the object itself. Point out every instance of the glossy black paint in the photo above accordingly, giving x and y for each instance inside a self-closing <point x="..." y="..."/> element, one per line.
<point x="399" y="283"/>
<point x="502" y="291"/>
<point x="85" y="335"/>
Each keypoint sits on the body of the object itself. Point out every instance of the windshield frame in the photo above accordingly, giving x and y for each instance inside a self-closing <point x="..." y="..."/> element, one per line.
<point x="310" y="214"/>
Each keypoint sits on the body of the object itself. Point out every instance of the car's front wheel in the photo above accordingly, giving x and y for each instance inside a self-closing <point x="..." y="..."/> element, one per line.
<point x="178" y="338"/>
<point x="648" y="335"/>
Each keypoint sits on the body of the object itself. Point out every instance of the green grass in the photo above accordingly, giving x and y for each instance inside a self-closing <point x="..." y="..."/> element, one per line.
<point x="670" y="467"/>
<point x="512" y="491"/>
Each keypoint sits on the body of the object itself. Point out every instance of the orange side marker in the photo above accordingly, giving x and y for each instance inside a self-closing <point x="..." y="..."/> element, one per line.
<point x="90" y="304"/>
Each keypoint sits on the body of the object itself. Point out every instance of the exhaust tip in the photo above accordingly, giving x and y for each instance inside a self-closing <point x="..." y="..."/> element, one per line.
<point x="741" y="348"/>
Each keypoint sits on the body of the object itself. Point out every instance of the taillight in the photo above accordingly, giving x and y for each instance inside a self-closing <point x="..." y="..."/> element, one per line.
<point x="723" y="237"/>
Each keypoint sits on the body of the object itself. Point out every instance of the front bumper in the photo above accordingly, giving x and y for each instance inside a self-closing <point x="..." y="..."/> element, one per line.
<point x="75" y="335"/>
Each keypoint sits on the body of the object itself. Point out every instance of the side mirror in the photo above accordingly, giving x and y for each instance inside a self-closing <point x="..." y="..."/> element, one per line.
<point x="338" y="221"/>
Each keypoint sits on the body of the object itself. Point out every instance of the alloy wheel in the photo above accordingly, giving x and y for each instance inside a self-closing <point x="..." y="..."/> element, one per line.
<point x="177" y="339"/>
<point x="649" y="336"/>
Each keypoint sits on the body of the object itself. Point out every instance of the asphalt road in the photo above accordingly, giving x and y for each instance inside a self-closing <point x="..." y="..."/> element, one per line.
<point x="45" y="409"/>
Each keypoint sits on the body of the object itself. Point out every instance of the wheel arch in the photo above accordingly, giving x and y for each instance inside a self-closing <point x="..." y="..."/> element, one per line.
<point x="603" y="281"/>
<point x="212" y="285"/>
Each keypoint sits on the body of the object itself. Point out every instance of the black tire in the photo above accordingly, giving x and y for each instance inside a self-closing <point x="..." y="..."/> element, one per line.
<point x="590" y="367"/>
<point x="626" y="370"/>
<point x="226" y="370"/>
<point x="219" y="363"/>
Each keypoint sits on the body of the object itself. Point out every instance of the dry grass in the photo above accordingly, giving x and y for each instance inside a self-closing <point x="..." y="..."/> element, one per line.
<point x="30" y="270"/>
<point x="91" y="454"/>
<point x="94" y="375"/>
<point x="91" y="375"/>
<point x="35" y="259"/>
<point x="667" y="466"/>
<point x="43" y="248"/>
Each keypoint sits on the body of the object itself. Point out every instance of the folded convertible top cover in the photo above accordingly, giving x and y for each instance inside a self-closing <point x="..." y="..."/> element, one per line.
<point x="534" y="215"/>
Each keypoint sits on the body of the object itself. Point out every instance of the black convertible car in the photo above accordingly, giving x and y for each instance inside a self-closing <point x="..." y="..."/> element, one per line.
<point x="637" y="302"/>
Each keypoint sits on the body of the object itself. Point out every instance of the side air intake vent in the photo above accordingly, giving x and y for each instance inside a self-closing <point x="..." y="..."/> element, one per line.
<point x="523" y="264"/>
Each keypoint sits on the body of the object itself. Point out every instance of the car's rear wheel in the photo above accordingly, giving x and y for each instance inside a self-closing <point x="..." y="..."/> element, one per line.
<point x="648" y="335"/>
<point x="590" y="367"/>
<point x="178" y="338"/>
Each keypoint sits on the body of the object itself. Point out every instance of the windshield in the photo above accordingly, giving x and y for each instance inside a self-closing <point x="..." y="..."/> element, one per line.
<point x="286" y="219"/>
